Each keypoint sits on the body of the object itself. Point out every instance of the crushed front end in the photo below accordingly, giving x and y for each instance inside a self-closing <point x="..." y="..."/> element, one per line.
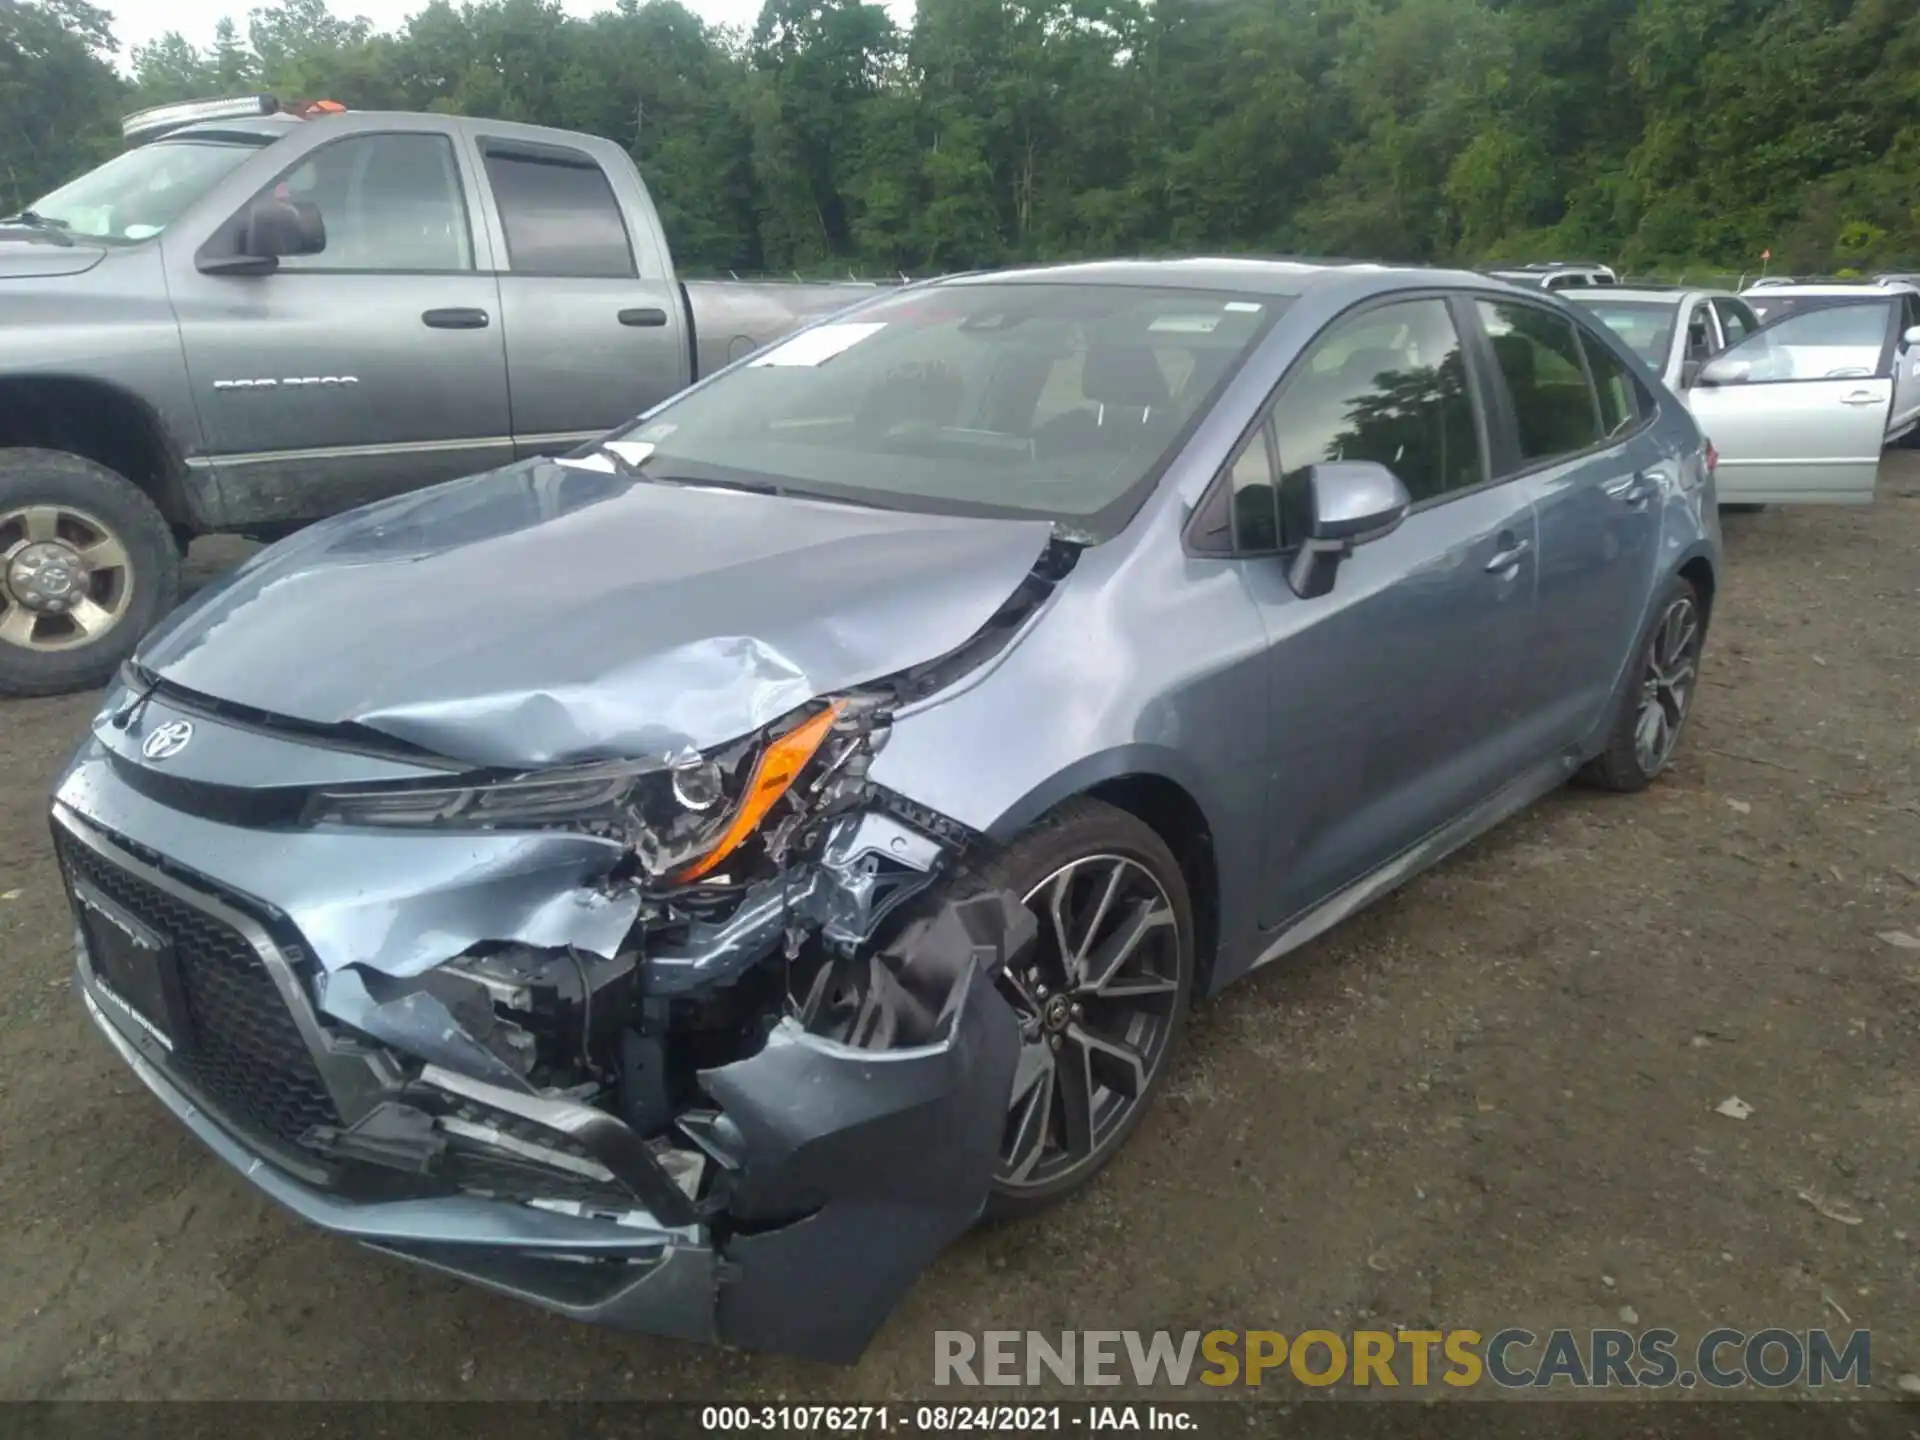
<point x="706" y="1044"/>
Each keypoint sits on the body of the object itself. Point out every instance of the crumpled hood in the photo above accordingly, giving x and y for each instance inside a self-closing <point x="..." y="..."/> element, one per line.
<point x="543" y="614"/>
<point x="24" y="256"/>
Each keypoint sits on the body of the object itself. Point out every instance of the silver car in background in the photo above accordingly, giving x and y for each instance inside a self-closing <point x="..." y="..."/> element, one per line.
<point x="1799" y="387"/>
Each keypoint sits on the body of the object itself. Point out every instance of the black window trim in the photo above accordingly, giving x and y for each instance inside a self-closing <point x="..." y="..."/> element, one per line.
<point x="1523" y="468"/>
<point x="542" y="153"/>
<point x="221" y="244"/>
<point x="1220" y="488"/>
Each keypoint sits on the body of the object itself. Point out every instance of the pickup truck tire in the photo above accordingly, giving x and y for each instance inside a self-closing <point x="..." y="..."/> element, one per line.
<point x="87" y="565"/>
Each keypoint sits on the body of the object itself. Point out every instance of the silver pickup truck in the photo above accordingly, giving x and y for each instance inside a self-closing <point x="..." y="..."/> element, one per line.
<point x="268" y="315"/>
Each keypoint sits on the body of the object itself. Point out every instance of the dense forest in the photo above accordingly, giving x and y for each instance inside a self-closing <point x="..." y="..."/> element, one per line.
<point x="1656" y="134"/>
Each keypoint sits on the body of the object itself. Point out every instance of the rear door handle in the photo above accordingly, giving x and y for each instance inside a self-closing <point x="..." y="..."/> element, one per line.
<point x="1633" y="491"/>
<point x="648" y="317"/>
<point x="1860" y="397"/>
<point x="1509" y="558"/>
<point x="460" y="317"/>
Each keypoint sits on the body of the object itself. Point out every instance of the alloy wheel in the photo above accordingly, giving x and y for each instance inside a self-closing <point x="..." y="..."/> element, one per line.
<point x="1096" y="998"/>
<point x="1673" y="661"/>
<point x="65" y="577"/>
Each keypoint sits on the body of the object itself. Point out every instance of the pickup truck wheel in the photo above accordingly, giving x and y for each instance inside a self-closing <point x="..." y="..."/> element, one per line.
<point x="87" y="564"/>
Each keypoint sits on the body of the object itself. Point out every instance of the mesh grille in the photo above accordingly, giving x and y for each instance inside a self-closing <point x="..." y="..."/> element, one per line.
<point x="245" y="1055"/>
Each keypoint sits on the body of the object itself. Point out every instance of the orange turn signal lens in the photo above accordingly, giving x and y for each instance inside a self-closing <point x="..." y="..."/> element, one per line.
<point x="773" y="775"/>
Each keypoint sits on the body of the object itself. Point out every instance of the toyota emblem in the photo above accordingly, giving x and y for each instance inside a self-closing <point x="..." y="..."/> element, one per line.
<point x="167" y="740"/>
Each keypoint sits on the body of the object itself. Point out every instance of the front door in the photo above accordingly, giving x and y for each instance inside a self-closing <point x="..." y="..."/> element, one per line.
<point x="370" y="368"/>
<point x="1798" y="411"/>
<point x="1392" y="696"/>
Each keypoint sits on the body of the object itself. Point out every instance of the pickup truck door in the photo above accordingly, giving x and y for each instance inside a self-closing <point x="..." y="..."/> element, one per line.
<point x="596" y="326"/>
<point x="372" y="367"/>
<point x="1798" y="411"/>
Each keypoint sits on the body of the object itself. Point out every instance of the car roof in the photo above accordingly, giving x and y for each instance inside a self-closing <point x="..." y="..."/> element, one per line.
<point x="1647" y="294"/>
<point x="1862" y="288"/>
<point x="1277" y="276"/>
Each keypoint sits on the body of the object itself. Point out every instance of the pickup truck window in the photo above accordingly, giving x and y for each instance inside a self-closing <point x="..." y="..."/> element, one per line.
<point x="135" y="196"/>
<point x="389" y="202"/>
<point x="559" y="213"/>
<point x="1060" y="401"/>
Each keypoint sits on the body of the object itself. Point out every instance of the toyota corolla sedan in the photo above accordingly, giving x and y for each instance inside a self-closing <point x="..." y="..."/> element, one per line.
<point x="686" y="883"/>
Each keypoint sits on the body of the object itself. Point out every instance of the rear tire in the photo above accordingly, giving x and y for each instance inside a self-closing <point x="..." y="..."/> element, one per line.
<point x="1652" y="710"/>
<point x="87" y="565"/>
<point x="1100" y="1019"/>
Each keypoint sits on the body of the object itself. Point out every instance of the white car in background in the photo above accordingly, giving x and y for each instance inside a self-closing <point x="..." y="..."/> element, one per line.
<point x="1800" y="387"/>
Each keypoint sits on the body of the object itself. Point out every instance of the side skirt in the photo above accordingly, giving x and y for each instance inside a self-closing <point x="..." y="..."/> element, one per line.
<point x="1504" y="803"/>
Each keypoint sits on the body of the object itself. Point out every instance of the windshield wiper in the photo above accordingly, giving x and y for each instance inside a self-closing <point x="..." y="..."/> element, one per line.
<point x="55" y="230"/>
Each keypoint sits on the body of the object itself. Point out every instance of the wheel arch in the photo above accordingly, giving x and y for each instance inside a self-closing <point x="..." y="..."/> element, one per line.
<point x="102" y="422"/>
<point x="1698" y="568"/>
<point x="1156" y="786"/>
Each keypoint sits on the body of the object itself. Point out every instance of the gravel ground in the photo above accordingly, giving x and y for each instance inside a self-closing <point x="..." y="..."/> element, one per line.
<point x="1487" y="1101"/>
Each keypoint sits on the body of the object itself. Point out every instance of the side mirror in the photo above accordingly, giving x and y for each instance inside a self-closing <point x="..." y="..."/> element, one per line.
<point x="1726" y="371"/>
<point x="1910" y="336"/>
<point x="282" y="227"/>
<point x="1347" y="503"/>
<point x="258" y="239"/>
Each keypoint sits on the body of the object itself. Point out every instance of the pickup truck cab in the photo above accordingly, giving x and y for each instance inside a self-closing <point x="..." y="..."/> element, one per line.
<point x="261" y="319"/>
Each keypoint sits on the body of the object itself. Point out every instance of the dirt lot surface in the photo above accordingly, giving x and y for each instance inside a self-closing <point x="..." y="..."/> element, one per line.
<point x="1490" y="1100"/>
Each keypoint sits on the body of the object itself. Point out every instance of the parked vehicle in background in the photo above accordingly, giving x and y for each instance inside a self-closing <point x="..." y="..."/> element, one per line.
<point x="1557" y="275"/>
<point x="1798" y="409"/>
<point x="259" y="319"/>
<point x="882" y="746"/>
<point x="1674" y="330"/>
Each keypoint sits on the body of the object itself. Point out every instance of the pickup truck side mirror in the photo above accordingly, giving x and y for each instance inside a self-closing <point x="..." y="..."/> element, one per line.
<point x="1346" y="503"/>
<point x="267" y="230"/>
<point x="282" y="227"/>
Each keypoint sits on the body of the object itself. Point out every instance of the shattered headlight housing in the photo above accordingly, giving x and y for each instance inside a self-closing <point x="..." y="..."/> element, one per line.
<point x="684" y="814"/>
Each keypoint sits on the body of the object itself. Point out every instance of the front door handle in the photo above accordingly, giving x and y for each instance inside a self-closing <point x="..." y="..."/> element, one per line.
<point x="460" y="317"/>
<point x="1507" y="559"/>
<point x="1860" y="397"/>
<point x="648" y="317"/>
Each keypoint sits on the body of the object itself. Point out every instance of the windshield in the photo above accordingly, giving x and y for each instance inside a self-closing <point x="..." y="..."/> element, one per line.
<point x="135" y="196"/>
<point x="1060" y="401"/>
<point x="1646" y="325"/>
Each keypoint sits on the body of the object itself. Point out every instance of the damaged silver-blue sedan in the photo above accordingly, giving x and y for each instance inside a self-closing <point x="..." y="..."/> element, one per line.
<point x="687" y="883"/>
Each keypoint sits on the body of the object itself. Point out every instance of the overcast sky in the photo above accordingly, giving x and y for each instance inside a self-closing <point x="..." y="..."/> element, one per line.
<point x="135" y="22"/>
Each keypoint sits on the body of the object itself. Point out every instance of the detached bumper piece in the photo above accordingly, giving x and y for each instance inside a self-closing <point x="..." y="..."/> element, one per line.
<point x="855" y="1143"/>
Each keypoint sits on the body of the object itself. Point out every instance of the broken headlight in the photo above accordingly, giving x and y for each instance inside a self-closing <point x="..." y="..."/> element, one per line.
<point x="685" y="815"/>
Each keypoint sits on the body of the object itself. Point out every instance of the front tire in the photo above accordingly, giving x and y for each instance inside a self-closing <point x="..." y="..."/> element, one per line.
<point x="1102" y="996"/>
<point x="1654" y="707"/>
<point x="87" y="566"/>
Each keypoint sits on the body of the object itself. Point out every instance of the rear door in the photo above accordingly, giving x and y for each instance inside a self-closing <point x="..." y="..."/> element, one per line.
<point x="595" y="324"/>
<point x="1799" y="410"/>
<point x="1570" y="432"/>
<point x="370" y="368"/>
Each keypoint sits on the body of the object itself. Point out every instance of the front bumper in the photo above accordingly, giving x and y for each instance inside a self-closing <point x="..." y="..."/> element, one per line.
<point x="854" y="1167"/>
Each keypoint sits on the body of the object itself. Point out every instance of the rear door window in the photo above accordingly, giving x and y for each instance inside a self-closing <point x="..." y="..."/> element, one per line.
<point x="559" y="213"/>
<point x="1611" y="385"/>
<point x="1538" y="356"/>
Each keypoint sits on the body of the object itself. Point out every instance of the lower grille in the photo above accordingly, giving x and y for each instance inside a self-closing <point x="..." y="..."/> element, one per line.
<point x="245" y="1056"/>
